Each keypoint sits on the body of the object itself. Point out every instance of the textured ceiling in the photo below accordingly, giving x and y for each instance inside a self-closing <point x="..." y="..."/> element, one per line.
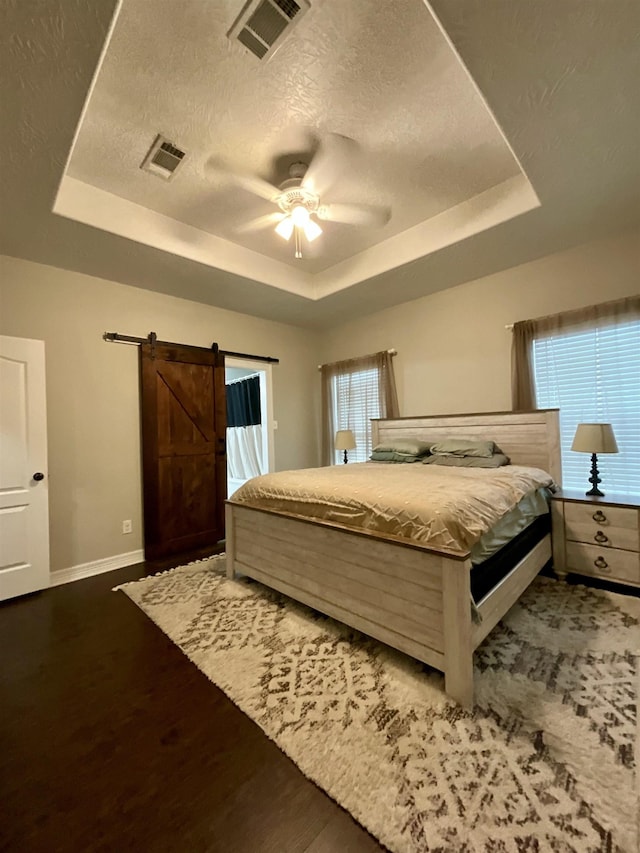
<point x="560" y="78"/>
<point x="381" y="74"/>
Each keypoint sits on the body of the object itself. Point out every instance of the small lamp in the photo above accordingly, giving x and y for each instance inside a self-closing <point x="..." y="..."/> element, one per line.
<point x="345" y="441"/>
<point x="594" y="439"/>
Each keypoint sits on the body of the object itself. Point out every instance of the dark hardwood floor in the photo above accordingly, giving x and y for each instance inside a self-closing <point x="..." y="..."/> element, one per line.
<point x="113" y="741"/>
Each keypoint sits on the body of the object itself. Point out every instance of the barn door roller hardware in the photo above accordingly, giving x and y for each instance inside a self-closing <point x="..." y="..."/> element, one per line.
<point x="152" y="338"/>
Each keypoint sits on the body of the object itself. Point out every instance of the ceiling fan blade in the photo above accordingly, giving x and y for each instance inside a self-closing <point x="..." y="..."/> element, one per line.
<point x="331" y="160"/>
<point x="355" y="214"/>
<point x="270" y="220"/>
<point x="251" y="183"/>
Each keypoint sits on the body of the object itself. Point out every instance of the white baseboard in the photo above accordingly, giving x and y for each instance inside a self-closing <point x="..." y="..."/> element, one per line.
<point x="96" y="567"/>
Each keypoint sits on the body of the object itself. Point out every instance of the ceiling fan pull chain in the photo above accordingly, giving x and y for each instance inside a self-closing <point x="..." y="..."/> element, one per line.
<point x="298" y="242"/>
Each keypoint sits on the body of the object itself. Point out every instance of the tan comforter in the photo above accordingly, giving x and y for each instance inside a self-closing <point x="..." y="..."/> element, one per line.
<point x="447" y="509"/>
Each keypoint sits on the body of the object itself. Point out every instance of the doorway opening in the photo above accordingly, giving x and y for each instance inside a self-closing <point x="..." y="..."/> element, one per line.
<point x="250" y="425"/>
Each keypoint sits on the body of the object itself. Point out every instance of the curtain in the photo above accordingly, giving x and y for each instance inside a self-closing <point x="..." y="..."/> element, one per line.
<point x="524" y="333"/>
<point x="353" y="392"/>
<point x="244" y="428"/>
<point x="243" y="402"/>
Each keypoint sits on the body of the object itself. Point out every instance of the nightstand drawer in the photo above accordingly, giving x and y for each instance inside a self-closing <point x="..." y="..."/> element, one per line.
<point x="603" y="562"/>
<point x="602" y="516"/>
<point x="603" y="535"/>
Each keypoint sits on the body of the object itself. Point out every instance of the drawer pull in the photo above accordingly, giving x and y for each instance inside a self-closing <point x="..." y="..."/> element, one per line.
<point x="599" y="516"/>
<point x="600" y="563"/>
<point x="601" y="537"/>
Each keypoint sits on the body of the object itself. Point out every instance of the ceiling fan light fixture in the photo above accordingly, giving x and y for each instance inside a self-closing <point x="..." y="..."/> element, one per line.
<point x="300" y="215"/>
<point x="298" y="197"/>
<point x="312" y="230"/>
<point x="285" y="228"/>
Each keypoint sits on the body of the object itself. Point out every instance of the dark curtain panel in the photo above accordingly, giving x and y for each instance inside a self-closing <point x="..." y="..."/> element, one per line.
<point x="243" y="402"/>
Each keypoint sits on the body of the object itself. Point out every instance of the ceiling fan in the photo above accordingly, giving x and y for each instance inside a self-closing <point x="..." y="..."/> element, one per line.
<point x="299" y="198"/>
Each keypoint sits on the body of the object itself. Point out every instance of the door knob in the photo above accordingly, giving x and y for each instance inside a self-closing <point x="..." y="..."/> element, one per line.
<point x="38" y="476"/>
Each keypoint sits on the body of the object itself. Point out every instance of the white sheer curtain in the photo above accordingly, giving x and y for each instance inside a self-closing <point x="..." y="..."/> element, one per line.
<point x="245" y="452"/>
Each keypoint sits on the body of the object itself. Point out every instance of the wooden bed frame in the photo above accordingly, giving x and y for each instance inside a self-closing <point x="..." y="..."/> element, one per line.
<point x="411" y="597"/>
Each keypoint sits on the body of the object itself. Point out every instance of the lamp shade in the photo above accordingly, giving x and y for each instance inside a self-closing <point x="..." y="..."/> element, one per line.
<point x="285" y="228"/>
<point x="594" y="438"/>
<point x="345" y="440"/>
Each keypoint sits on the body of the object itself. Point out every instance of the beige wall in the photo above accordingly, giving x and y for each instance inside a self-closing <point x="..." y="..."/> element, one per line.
<point x="453" y="356"/>
<point x="92" y="392"/>
<point x="453" y="348"/>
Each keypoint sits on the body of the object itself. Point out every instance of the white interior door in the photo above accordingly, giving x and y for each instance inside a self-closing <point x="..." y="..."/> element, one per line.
<point x="24" y="503"/>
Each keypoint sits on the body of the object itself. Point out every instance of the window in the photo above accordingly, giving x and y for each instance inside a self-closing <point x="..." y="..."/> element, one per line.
<point x="353" y="392"/>
<point x="356" y="399"/>
<point x="594" y="375"/>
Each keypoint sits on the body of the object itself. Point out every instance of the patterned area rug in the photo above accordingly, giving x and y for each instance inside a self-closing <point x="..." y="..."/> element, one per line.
<point x="546" y="760"/>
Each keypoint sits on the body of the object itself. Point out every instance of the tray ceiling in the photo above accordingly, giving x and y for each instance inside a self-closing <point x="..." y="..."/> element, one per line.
<point x="381" y="74"/>
<point x="560" y="79"/>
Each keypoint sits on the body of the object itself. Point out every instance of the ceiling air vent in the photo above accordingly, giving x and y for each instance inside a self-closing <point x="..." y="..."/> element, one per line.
<point x="264" y="24"/>
<point x="163" y="158"/>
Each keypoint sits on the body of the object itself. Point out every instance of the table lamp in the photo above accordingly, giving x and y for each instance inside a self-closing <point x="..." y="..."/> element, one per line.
<point x="345" y="441"/>
<point x="594" y="439"/>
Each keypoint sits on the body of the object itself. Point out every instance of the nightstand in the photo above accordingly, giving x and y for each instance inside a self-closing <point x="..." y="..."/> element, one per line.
<point x="598" y="537"/>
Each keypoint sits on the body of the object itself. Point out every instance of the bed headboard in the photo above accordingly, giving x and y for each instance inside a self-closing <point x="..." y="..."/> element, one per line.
<point x="527" y="438"/>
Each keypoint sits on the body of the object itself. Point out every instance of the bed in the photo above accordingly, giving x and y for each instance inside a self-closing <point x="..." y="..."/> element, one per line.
<point x="359" y="576"/>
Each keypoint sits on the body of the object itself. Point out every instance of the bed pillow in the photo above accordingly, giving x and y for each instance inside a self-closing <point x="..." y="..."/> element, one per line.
<point x="463" y="447"/>
<point x="393" y="456"/>
<point x="495" y="461"/>
<point x="407" y="446"/>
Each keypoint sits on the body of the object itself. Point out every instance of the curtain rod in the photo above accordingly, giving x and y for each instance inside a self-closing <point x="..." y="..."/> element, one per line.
<point x="509" y="327"/>
<point x="250" y="357"/>
<point x="576" y="315"/>
<point x="115" y="338"/>
<point x="391" y="352"/>
<point x="241" y="378"/>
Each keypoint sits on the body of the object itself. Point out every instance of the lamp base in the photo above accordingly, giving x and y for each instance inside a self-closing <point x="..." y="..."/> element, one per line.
<point x="345" y="457"/>
<point x="594" y="491"/>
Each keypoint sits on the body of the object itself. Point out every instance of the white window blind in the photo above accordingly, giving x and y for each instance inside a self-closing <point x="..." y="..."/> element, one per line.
<point x="594" y="376"/>
<point x="356" y="399"/>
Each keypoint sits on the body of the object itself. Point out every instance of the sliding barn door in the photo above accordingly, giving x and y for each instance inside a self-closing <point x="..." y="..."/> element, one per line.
<point x="183" y="448"/>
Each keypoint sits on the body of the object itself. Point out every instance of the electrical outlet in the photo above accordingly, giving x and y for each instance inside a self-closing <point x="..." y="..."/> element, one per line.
<point x="127" y="527"/>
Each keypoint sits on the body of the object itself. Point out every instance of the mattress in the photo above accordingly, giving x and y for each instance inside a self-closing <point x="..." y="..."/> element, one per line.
<point x="490" y="572"/>
<point x="447" y="509"/>
<point x="532" y="505"/>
